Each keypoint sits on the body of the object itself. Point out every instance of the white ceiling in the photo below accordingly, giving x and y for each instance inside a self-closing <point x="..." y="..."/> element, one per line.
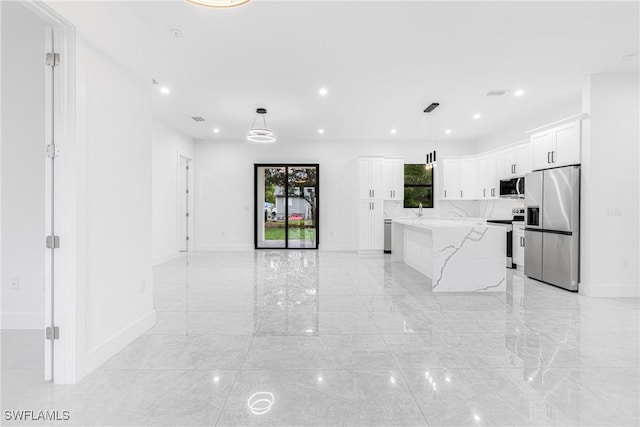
<point x="383" y="62"/>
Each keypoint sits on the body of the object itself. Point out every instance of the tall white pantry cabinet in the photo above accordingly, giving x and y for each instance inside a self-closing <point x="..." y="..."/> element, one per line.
<point x="371" y="204"/>
<point x="379" y="179"/>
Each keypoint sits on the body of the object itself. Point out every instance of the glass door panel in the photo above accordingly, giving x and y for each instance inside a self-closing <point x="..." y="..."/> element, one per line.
<point x="302" y="185"/>
<point x="271" y="207"/>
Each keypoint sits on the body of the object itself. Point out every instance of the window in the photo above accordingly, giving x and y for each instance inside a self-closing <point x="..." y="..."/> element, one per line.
<point x="418" y="186"/>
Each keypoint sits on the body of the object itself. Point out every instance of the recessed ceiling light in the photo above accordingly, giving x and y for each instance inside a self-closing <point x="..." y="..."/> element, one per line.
<point x="519" y="92"/>
<point x="175" y="32"/>
<point x="477" y="116"/>
<point x="394" y="131"/>
<point x="165" y="90"/>
<point x="216" y="130"/>
<point x="320" y="131"/>
<point x="448" y="131"/>
<point x="323" y="91"/>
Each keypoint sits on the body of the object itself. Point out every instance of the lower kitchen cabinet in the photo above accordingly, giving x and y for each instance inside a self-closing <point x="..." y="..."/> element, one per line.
<point x="518" y="244"/>
<point x="371" y="225"/>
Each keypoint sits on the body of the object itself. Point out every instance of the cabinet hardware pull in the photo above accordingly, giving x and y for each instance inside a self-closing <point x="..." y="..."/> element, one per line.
<point x="548" y="156"/>
<point x="460" y="193"/>
<point x="445" y="194"/>
<point x="373" y="193"/>
<point x="484" y="192"/>
<point x="515" y="168"/>
<point x="553" y="157"/>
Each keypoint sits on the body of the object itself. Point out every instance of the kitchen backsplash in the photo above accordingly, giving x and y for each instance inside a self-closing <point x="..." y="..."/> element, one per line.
<point x="497" y="209"/>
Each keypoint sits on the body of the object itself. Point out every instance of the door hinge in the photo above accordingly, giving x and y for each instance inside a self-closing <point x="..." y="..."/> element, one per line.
<point x="52" y="333"/>
<point x="187" y="237"/>
<point x="53" y="242"/>
<point x="53" y="151"/>
<point x="53" y="59"/>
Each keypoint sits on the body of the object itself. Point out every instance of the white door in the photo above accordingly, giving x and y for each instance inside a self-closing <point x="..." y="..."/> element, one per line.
<point x="492" y="180"/>
<point x="364" y="224"/>
<point x="482" y="181"/>
<point x="388" y="184"/>
<point x="522" y="160"/>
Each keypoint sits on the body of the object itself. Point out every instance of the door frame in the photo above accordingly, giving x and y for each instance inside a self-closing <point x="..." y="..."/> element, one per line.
<point x="256" y="166"/>
<point x="64" y="265"/>
<point x="190" y="202"/>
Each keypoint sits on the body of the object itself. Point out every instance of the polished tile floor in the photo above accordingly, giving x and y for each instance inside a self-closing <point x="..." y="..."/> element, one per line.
<point x="289" y="338"/>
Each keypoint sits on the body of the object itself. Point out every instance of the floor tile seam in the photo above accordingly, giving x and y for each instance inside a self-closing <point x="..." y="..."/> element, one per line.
<point x="233" y="386"/>
<point x="404" y="379"/>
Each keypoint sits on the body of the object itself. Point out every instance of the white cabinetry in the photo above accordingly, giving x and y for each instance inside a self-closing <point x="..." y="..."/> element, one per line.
<point x="393" y="179"/>
<point x="518" y="244"/>
<point x="469" y="179"/>
<point x="487" y="177"/>
<point x="371" y="230"/>
<point x="370" y="177"/>
<point x="371" y="204"/>
<point x="557" y="146"/>
<point x="514" y="161"/>
<point x="451" y="179"/>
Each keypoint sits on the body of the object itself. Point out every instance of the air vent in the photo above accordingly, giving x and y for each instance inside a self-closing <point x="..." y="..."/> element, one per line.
<point x="496" y="92"/>
<point x="198" y="119"/>
<point x="154" y="82"/>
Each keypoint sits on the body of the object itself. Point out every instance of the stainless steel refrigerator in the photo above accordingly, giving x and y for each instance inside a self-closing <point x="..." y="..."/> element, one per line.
<point x="552" y="215"/>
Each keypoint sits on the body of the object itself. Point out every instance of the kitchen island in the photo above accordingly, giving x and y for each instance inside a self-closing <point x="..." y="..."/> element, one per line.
<point x="457" y="255"/>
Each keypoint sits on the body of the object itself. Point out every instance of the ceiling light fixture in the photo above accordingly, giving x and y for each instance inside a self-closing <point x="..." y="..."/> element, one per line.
<point x="320" y="131"/>
<point x="220" y="4"/>
<point x="519" y="92"/>
<point x="431" y="155"/>
<point x="394" y="131"/>
<point x="165" y="90"/>
<point x="216" y="130"/>
<point x="448" y="131"/>
<point x="477" y="116"/>
<point x="261" y="134"/>
<point x="323" y="91"/>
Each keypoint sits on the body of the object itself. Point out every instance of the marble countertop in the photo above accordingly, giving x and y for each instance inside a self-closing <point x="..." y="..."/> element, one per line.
<point x="436" y="223"/>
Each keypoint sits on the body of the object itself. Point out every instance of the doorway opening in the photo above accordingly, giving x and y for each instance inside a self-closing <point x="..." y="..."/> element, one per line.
<point x="185" y="204"/>
<point x="287" y="206"/>
<point x="38" y="257"/>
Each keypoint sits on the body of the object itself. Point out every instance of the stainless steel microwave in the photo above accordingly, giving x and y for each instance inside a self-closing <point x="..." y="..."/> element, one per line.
<point x="512" y="188"/>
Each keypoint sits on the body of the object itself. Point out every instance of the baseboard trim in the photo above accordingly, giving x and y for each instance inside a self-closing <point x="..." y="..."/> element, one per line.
<point x="103" y="352"/>
<point x="231" y="248"/>
<point x="336" y="248"/>
<point x="609" y="291"/>
<point x="165" y="258"/>
<point x="22" y="321"/>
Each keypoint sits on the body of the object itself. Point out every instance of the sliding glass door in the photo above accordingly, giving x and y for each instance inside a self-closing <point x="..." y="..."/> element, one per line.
<point x="286" y="214"/>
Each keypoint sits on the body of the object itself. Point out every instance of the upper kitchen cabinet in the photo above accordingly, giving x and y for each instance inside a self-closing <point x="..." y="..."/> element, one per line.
<point x="487" y="173"/>
<point x="393" y="179"/>
<point x="370" y="177"/>
<point x="469" y="190"/>
<point x="452" y="179"/>
<point x="513" y="161"/>
<point x="557" y="144"/>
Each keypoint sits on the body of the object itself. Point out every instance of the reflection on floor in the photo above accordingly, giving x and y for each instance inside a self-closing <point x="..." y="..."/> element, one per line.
<point x="293" y="243"/>
<point x="292" y="338"/>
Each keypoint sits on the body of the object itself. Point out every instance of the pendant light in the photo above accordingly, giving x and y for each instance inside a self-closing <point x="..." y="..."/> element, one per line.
<point x="220" y="4"/>
<point x="431" y="154"/>
<point x="261" y="134"/>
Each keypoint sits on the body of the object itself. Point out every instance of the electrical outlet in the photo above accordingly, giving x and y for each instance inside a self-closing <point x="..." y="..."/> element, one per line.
<point x="15" y="284"/>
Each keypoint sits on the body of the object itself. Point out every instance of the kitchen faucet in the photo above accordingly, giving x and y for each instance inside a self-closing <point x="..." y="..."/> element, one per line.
<point x="420" y="210"/>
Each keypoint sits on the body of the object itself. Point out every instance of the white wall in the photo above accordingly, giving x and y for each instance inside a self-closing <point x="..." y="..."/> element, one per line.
<point x="225" y="185"/>
<point x="168" y="143"/>
<point x="610" y="180"/>
<point x="23" y="179"/>
<point x="515" y="132"/>
<point x="112" y="150"/>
